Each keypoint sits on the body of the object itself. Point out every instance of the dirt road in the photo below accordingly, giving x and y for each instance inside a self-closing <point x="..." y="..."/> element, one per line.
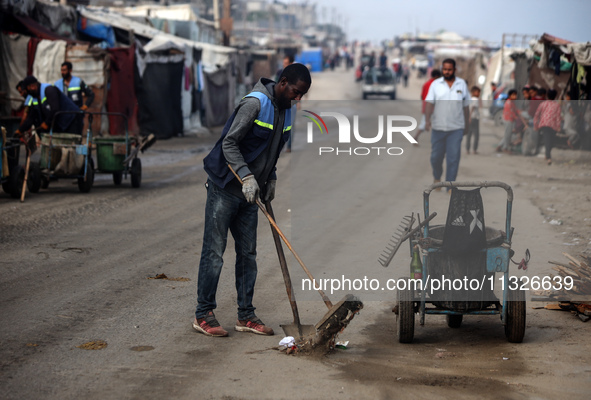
<point x="75" y="268"/>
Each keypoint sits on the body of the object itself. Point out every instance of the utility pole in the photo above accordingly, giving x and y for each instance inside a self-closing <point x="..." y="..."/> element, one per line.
<point x="227" y="22"/>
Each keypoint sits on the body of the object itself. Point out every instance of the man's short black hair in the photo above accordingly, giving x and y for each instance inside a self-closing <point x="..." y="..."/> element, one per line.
<point x="552" y="94"/>
<point x="533" y="88"/>
<point x="67" y="64"/>
<point x="290" y="58"/>
<point x="20" y="85"/>
<point x="449" y="61"/>
<point x="512" y="91"/>
<point x="541" y="91"/>
<point x="296" y="72"/>
<point x="475" y="88"/>
<point x="29" y="80"/>
<point x="435" y="73"/>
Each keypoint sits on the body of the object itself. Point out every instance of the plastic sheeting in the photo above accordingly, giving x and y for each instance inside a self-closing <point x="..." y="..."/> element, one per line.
<point x="218" y="96"/>
<point x="159" y="91"/>
<point x="13" y="61"/>
<point x="120" y="98"/>
<point x="48" y="60"/>
<point x="97" y="31"/>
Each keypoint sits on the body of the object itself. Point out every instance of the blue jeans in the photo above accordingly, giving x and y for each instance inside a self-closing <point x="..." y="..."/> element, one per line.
<point x="225" y="211"/>
<point x="446" y="144"/>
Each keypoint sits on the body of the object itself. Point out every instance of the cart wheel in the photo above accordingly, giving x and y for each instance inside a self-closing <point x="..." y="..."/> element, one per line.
<point x="405" y="320"/>
<point x="44" y="181"/>
<point x="16" y="181"/>
<point x="6" y="186"/>
<point x="515" y="324"/>
<point x="34" y="179"/>
<point x="117" y="177"/>
<point x="86" y="185"/>
<point x="136" y="173"/>
<point x="454" y="320"/>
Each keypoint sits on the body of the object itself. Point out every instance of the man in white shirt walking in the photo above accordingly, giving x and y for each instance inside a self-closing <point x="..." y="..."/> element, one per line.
<point x="447" y="112"/>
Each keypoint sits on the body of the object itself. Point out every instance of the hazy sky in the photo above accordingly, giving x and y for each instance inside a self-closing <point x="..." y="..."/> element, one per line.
<point x="379" y="19"/>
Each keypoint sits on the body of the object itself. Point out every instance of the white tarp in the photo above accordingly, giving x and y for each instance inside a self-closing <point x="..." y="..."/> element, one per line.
<point x="85" y="66"/>
<point x="211" y="55"/>
<point x="49" y="57"/>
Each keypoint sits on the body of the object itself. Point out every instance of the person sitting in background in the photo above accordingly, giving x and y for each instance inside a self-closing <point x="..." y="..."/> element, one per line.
<point x="474" y="123"/>
<point x="547" y="120"/>
<point x="570" y="117"/>
<point x="510" y="116"/>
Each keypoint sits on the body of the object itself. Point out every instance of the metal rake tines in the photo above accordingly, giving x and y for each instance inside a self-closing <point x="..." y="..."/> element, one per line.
<point x="396" y="240"/>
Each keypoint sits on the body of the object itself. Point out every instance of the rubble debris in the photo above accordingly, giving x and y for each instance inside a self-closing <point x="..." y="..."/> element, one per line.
<point x="94" y="345"/>
<point x="578" y="271"/>
<point x="163" y="276"/>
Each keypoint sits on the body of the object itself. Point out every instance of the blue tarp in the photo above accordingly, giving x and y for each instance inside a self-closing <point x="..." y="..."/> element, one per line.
<point x="313" y="58"/>
<point x="97" y="30"/>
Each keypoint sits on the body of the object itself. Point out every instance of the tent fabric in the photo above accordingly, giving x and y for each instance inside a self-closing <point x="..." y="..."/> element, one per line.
<point x="48" y="60"/>
<point x="212" y="55"/>
<point x="39" y="30"/>
<point x="13" y="62"/>
<point x="31" y="50"/>
<point x="216" y="97"/>
<point x="59" y="19"/>
<point x="87" y="63"/>
<point x="159" y="89"/>
<point x="119" y="98"/>
<point x="97" y="31"/>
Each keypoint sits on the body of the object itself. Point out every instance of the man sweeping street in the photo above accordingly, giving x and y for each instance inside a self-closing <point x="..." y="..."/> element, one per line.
<point x="251" y="142"/>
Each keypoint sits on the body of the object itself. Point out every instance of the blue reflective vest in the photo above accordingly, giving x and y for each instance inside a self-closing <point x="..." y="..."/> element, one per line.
<point x="30" y="101"/>
<point x="74" y="90"/>
<point x="254" y="143"/>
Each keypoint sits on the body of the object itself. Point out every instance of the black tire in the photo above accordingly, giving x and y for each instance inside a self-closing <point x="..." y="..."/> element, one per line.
<point x="405" y="320"/>
<point x="117" y="177"/>
<point x="6" y="186"/>
<point x="454" y="320"/>
<point x="515" y="324"/>
<point x="393" y="96"/>
<point x="136" y="173"/>
<point x="34" y="178"/>
<point x="44" y="182"/>
<point x="85" y="185"/>
<point x="364" y="96"/>
<point x="17" y="180"/>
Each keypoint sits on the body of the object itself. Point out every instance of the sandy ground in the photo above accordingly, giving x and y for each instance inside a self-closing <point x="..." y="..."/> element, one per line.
<point x="74" y="269"/>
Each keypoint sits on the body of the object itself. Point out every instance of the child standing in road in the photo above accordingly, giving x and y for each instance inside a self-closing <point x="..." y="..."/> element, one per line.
<point x="474" y="126"/>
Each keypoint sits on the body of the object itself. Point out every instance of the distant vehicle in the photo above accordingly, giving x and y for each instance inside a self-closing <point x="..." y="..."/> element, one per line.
<point x="380" y="82"/>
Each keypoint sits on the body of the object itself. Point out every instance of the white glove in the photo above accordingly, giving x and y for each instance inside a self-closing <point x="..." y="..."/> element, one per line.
<point x="250" y="189"/>
<point x="270" y="192"/>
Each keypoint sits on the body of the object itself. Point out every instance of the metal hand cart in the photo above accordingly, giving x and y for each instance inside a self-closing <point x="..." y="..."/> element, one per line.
<point x="117" y="155"/>
<point x="64" y="155"/>
<point x="481" y="263"/>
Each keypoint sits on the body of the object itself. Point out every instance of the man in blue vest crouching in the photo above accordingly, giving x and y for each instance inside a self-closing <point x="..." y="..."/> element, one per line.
<point x="250" y="143"/>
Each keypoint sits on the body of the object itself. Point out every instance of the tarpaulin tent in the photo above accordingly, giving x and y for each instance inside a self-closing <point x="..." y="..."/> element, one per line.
<point x="160" y="75"/>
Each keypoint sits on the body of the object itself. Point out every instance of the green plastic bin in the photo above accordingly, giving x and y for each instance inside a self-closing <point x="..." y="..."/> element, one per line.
<point x="110" y="153"/>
